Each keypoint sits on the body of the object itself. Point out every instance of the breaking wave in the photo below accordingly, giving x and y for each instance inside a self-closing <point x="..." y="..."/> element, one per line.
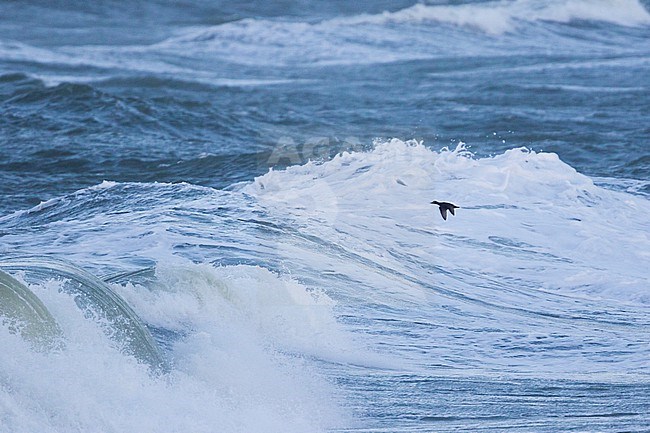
<point x="258" y="294"/>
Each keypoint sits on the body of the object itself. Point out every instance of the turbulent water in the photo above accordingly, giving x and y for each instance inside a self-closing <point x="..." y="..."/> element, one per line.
<point x="216" y="218"/>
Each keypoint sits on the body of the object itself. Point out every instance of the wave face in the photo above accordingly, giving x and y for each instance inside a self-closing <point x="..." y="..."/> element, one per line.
<point x="22" y="312"/>
<point x="342" y="272"/>
<point x="98" y="300"/>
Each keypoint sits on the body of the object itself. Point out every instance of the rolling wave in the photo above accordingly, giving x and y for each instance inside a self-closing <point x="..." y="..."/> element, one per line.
<point x="97" y="299"/>
<point x="231" y="338"/>
<point x="417" y="32"/>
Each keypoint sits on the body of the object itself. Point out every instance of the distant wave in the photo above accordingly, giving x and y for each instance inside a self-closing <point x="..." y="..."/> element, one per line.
<point x="498" y="17"/>
<point x="114" y="64"/>
<point x="416" y="32"/>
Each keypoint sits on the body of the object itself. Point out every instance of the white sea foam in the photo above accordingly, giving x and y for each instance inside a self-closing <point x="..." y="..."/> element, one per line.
<point x="526" y="198"/>
<point x="232" y="370"/>
<point x="535" y="248"/>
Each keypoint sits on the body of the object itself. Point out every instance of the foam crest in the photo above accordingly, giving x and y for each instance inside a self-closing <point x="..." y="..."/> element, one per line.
<point x="398" y="170"/>
<point x="526" y="197"/>
<point x="506" y="16"/>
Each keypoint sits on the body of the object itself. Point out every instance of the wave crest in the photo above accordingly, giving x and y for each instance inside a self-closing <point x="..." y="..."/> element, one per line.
<point x="506" y="16"/>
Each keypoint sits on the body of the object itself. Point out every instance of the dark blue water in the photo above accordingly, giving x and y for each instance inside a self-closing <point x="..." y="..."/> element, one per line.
<point x="203" y="92"/>
<point x="526" y="311"/>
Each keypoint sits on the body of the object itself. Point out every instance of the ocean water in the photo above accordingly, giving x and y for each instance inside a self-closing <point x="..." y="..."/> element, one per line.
<point x="215" y="217"/>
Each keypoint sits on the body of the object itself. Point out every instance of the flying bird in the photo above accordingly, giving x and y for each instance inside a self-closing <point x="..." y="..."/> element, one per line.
<point x="444" y="207"/>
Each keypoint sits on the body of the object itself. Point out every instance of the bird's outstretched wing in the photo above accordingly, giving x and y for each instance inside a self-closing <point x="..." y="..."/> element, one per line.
<point x="444" y="207"/>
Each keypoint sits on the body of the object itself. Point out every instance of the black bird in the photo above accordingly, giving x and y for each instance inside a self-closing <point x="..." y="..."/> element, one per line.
<point x="444" y="207"/>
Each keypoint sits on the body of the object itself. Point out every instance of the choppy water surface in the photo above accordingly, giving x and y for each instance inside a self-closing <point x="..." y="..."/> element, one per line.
<point x="218" y="216"/>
